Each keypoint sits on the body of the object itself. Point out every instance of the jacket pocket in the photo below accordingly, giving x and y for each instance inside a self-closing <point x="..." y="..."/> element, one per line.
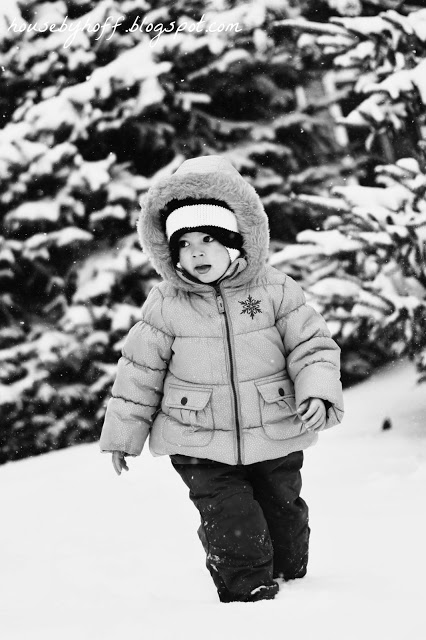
<point x="190" y="416"/>
<point x="278" y="413"/>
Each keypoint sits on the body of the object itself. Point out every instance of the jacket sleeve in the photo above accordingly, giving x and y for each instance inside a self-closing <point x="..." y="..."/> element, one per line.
<point x="313" y="357"/>
<point x="137" y="390"/>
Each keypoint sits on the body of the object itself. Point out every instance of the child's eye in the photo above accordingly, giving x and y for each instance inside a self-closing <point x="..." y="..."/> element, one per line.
<point x="208" y="239"/>
<point x="183" y="243"/>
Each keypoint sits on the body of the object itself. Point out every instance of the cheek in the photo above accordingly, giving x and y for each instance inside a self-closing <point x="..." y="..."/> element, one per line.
<point x="183" y="257"/>
<point x="221" y="258"/>
<point x="224" y="255"/>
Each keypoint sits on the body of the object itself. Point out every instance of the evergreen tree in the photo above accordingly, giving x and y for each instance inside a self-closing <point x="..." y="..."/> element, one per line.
<point x="91" y="116"/>
<point x="366" y="267"/>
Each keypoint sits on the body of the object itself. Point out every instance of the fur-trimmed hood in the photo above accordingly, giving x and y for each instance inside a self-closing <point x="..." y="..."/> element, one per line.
<point x="205" y="177"/>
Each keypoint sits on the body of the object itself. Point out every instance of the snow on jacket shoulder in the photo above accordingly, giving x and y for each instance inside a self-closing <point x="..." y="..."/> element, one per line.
<point x="218" y="372"/>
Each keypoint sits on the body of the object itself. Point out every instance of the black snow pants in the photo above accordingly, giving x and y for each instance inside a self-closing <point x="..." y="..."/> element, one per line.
<point x="254" y="524"/>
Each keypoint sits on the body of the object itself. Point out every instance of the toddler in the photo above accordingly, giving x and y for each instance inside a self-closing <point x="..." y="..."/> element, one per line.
<point x="230" y="373"/>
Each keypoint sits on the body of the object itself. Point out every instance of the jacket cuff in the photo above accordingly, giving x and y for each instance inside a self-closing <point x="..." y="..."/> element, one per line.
<point x="121" y="435"/>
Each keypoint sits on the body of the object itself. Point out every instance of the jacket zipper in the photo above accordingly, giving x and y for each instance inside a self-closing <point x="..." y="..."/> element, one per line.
<point x="222" y="309"/>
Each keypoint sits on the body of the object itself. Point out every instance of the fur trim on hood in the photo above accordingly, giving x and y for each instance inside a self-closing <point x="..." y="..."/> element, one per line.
<point x="207" y="177"/>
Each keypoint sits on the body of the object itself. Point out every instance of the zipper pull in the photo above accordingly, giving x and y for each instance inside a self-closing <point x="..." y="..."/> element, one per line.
<point x="219" y="301"/>
<point x="220" y="304"/>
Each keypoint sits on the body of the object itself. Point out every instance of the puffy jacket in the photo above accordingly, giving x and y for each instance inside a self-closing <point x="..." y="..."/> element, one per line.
<point x="219" y="371"/>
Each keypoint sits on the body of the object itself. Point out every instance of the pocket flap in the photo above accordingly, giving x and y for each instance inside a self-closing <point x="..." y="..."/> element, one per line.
<point x="275" y="390"/>
<point x="194" y="399"/>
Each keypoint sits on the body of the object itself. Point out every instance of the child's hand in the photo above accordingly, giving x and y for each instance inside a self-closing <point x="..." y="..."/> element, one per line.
<point x="313" y="413"/>
<point x="119" y="462"/>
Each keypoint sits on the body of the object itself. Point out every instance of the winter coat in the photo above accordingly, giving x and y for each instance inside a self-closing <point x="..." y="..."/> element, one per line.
<point x="219" y="372"/>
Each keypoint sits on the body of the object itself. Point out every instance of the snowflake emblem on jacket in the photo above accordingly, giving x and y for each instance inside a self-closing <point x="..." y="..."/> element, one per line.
<point x="250" y="306"/>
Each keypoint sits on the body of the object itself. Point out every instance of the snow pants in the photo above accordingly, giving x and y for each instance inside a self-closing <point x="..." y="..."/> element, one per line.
<point x="254" y="524"/>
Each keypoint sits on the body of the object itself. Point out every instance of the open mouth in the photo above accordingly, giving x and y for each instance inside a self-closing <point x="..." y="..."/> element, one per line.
<point x="203" y="268"/>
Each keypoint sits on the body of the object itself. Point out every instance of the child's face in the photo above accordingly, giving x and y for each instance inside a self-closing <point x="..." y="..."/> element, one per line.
<point x="203" y="256"/>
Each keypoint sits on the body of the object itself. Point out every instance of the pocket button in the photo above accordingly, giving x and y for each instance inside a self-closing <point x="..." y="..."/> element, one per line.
<point x="184" y="400"/>
<point x="281" y="391"/>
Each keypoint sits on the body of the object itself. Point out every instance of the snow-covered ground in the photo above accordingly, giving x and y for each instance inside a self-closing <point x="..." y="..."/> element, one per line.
<point x="86" y="554"/>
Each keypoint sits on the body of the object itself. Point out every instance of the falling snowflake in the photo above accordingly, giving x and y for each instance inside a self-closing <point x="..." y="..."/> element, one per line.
<point x="250" y="306"/>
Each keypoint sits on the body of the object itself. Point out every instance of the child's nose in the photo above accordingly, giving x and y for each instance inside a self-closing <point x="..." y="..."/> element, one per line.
<point x="197" y="251"/>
